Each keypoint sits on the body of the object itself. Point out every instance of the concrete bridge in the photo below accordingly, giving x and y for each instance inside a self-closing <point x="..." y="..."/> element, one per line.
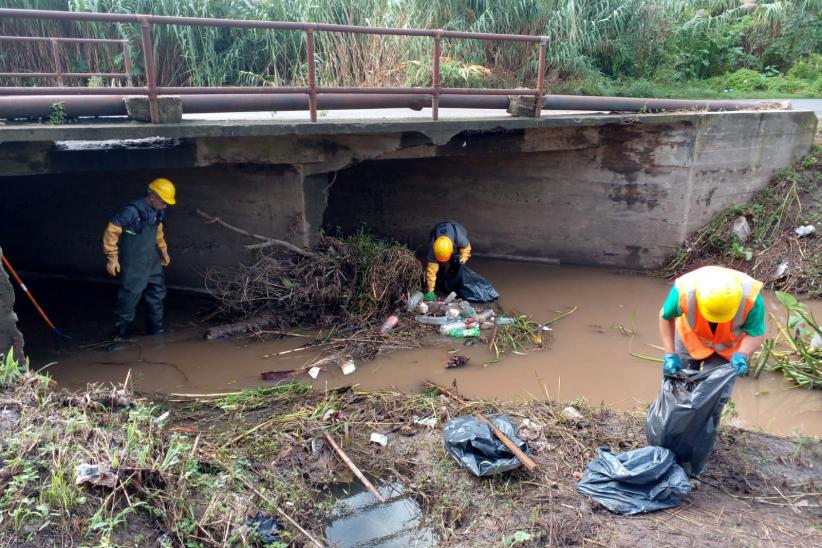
<point x="614" y="190"/>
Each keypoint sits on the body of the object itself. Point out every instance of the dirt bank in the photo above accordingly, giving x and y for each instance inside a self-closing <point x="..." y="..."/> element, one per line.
<point x="766" y="245"/>
<point x="198" y="473"/>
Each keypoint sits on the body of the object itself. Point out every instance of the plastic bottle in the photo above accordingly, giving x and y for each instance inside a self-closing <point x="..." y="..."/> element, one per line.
<point x="389" y="324"/>
<point x="445" y="329"/>
<point x="432" y="320"/>
<point x="466" y="310"/>
<point x="452" y="313"/>
<point x="414" y="300"/>
<point x="451" y="296"/>
<point x="463" y="333"/>
<point x="483" y="316"/>
<point x="504" y="321"/>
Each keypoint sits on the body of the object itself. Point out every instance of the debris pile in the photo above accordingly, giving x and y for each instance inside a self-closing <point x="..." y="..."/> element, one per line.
<point x="344" y="282"/>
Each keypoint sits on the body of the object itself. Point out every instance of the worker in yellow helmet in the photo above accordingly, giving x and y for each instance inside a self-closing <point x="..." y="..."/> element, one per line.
<point x="135" y="246"/>
<point x="449" y="248"/>
<point x="712" y="316"/>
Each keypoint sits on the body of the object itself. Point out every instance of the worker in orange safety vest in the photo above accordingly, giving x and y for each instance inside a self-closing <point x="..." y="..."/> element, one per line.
<point x="712" y="316"/>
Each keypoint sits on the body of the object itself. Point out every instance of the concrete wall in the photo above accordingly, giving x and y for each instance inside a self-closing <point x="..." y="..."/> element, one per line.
<point x="56" y="225"/>
<point x="10" y="336"/>
<point x="623" y="194"/>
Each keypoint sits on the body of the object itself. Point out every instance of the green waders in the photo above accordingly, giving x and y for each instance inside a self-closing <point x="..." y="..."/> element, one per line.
<point x="141" y="275"/>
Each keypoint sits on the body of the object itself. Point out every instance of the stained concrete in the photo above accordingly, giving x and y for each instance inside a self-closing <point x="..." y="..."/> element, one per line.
<point x="617" y="190"/>
<point x="10" y="336"/>
<point x="621" y="195"/>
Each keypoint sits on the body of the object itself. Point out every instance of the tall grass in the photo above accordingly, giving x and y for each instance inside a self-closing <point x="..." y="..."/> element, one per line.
<point x="668" y="40"/>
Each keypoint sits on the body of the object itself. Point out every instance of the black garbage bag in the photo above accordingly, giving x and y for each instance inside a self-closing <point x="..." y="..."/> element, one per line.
<point x="475" y="447"/>
<point x="642" y="480"/>
<point x="685" y="416"/>
<point x="267" y="528"/>
<point x="469" y="285"/>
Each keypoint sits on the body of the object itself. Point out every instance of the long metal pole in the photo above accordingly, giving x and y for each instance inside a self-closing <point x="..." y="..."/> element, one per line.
<point x="312" y="74"/>
<point x="239" y="23"/>
<point x="58" y="69"/>
<point x="151" y="72"/>
<point x="435" y="79"/>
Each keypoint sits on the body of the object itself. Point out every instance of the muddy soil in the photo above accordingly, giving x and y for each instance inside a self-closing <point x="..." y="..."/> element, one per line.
<point x="758" y="490"/>
<point x="590" y="356"/>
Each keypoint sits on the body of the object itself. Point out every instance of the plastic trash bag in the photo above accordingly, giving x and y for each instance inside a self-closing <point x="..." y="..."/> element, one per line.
<point x="475" y="447"/>
<point x="469" y="285"/>
<point x="642" y="480"/>
<point x="685" y="416"/>
<point x="267" y="528"/>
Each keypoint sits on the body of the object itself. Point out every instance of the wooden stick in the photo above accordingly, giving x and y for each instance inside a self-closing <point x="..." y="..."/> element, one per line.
<point x="456" y="397"/>
<point x="523" y="458"/>
<point x="283" y="514"/>
<point x="268" y="241"/>
<point x="354" y="468"/>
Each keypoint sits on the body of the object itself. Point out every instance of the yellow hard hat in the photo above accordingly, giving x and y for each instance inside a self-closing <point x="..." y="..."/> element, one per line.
<point x="164" y="189"/>
<point x="443" y="249"/>
<point x="718" y="297"/>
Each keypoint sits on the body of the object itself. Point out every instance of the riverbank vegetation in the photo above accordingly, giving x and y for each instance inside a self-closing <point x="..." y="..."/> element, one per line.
<point x="661" y="48"/>
<point x="108" y="467"/>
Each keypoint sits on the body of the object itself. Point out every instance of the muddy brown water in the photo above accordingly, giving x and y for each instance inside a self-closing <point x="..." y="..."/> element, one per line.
<point x="590" y="356"/>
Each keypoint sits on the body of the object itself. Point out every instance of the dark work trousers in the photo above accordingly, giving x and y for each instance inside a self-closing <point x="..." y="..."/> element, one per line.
<point x="141" y="275"/>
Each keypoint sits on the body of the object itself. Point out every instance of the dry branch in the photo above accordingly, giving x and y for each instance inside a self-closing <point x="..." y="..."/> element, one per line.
<point x="267" y="241"/>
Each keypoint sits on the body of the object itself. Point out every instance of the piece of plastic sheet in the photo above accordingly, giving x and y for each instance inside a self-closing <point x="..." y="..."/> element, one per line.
<point x="469" y="285"/>
<point x="475" y="447"/>
<point x="685" y="416"/>
<point x="642" y="480"/>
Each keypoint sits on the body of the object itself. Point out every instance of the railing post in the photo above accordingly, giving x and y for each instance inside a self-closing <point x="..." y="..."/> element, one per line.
<point x="435" y="79"/>
<point x="151" y="71"/>
<point x="312" y="72"/>
<point x="58" y="67"/>
<point x="543" y="46"/>
<point x="127" y="63"/>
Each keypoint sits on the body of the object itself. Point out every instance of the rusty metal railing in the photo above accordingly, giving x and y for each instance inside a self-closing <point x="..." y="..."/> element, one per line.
<point x="312" y="90"/>
<point x="58" y="75"/>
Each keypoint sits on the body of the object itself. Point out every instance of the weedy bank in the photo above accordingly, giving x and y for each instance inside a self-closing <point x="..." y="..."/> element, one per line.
<point x="197" y="473"/>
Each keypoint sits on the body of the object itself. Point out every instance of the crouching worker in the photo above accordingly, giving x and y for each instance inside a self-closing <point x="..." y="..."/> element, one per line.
<point x="712" y="316"/>
<point x="448" y="251"/>
<point x="136" y="250"/>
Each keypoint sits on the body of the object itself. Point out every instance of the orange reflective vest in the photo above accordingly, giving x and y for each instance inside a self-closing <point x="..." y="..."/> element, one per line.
<point x="695" y="331"/>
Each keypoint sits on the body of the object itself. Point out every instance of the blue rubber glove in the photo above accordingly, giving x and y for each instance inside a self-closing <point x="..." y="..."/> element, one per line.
<point x="740" y="361"/>
<point x="671" y="364"/>
<point x="429" y="297"/>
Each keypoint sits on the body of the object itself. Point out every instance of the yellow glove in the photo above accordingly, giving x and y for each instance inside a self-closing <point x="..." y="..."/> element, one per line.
<point x="162" y="246"/>
<point x="113" y="266"/>
<point x="465" y="254"/>
<point x="111" y="238"/>
<point x="431" y="276"/>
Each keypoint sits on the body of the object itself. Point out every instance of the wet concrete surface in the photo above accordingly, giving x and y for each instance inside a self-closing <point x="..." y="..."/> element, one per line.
<point x="590" y="355"/>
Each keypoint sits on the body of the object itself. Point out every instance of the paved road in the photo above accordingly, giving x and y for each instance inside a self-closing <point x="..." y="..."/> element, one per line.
<point x="808" y="104"/>
<point x="445" y="114"/>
